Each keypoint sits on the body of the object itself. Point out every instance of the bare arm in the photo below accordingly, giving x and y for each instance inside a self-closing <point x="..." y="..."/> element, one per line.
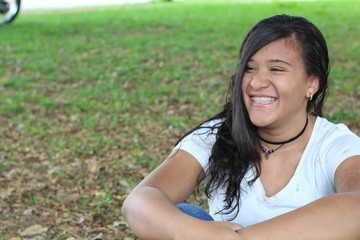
<point x="150" y="208"/>
<point x="335" y="217"/>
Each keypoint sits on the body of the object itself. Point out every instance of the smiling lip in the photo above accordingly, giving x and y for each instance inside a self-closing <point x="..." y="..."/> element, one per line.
<point x="261" y="100"/>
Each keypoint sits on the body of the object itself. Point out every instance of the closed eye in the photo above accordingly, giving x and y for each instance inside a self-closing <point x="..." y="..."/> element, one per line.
<point x="277" y="69"/>
<point x="249" y="69"/>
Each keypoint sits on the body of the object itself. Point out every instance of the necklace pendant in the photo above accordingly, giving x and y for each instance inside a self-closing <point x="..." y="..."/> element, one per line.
<point x="267" y="156"/>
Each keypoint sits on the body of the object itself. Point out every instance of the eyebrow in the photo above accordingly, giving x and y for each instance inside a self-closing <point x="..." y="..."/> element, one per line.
<point x="274" y="60"/>
<point x="281" y="61"/>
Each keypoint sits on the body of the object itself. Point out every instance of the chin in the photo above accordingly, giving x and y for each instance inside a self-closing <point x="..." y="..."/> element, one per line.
<point x="260" y="122"/>
<point x="261" y="119"/>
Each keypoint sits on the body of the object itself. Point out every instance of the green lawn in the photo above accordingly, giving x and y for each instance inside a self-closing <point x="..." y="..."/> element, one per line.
<point x="92" y="99"/>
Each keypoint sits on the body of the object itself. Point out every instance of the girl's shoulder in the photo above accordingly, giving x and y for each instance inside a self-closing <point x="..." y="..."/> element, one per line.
<point x="200" y="141"/>
<point x="328" y="130"/>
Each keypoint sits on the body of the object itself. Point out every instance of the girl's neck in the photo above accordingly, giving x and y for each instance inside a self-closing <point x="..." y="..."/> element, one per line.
<point x="286" y="135"/>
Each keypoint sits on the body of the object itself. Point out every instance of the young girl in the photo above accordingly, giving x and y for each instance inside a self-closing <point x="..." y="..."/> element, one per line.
<point x="273" y="167"/>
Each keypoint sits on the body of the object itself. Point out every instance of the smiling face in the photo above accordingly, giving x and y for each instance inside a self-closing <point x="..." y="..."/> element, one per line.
<point x="276" y="86"/>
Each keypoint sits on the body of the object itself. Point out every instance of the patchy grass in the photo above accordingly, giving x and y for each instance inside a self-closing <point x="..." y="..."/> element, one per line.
<point x="93" y="99"/>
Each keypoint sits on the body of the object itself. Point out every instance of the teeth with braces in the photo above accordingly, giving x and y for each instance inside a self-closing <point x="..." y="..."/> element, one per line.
<point x="263" y="100"/>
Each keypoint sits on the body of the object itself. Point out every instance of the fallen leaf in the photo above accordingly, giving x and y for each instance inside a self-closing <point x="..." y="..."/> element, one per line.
<point x="98" y="237"/>
<point x="92" y="166"/>
<point x="28" y="212"/>
<point x="101" y="194"/>
<point x="4" y="80"/>
<point x="5" y="193"/>
<point x="33" y="230"/>
<point x="116" y="224"/>
<point x="17" y="205"/>
<point x="67" y="197"/>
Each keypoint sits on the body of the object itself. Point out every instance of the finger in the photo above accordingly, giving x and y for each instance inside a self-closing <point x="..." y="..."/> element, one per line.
<point x="235" y="226"/>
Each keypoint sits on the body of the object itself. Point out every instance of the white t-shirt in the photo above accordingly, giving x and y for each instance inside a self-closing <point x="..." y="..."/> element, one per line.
<point x="329" y="145"/>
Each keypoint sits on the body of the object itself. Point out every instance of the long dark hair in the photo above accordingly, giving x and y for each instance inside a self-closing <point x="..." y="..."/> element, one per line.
<point x="236" y="149"/>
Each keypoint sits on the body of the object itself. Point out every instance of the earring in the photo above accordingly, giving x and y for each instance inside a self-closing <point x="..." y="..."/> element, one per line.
<point x="311" y="97"/>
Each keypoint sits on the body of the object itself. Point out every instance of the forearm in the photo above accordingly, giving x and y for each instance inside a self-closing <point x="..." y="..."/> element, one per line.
<point x="154" y="216"/>
<point x="151" y="214"/>
<point x="335" y="217"/>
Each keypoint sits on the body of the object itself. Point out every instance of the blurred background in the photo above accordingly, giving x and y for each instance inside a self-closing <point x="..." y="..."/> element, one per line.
<point x="44" y="4"/>
<point x="92" y="98"/>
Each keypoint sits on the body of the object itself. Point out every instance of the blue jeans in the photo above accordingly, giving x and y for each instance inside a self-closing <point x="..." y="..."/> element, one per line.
<point x="194" y="211"/>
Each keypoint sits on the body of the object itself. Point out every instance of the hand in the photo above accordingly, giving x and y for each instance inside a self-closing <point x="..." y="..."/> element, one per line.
<point x="229" y="225"/>
<point x="212" y="230"/>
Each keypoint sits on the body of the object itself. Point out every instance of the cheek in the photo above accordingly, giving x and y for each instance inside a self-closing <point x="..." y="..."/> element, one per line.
<point x="293" y="91"/>
<point x="244" y="88"/>
<point x="245" y="84"/>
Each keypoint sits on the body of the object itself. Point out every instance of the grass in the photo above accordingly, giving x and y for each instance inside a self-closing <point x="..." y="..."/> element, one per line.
<point x="92" y="99"/>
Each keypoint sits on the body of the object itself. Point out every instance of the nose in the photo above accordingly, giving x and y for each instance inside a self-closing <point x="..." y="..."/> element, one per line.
<point x="260" y="81"/>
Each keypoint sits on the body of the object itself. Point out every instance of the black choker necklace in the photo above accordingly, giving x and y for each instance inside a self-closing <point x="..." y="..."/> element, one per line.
<point x="270" y="151"/>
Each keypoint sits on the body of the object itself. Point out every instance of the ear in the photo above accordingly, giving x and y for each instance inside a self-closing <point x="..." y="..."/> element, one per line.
<point x="314" y="84"/>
